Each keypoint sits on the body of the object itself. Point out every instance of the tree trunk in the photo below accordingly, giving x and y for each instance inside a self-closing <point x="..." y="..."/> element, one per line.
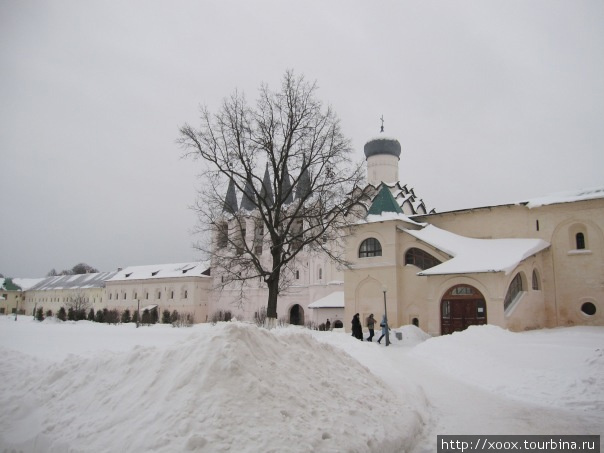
<point x="273" y="293"/>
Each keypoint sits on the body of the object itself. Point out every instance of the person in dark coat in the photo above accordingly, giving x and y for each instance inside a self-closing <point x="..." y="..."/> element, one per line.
<point x="357" y="329"/>
<point x="371" y="326"/>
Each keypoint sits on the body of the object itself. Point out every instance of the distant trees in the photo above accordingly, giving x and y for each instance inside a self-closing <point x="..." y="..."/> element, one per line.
<point x="80" y="268"/>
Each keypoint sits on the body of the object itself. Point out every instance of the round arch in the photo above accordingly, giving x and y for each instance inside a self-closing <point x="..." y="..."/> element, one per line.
<point x="462" y="306"/>
<point x="296" y="315"/>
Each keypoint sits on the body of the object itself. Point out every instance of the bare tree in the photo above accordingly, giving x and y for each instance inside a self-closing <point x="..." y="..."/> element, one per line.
<point x="80" y="304"/>
<point x="289" y="159"/>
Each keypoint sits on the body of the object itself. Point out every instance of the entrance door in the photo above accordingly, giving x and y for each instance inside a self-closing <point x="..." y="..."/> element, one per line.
<point x="462" y="306"/>
<point x="296" y="315"/>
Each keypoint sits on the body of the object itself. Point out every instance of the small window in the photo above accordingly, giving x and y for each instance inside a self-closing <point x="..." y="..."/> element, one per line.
<point x="320" y="274"/>
<point x="223" y="235"/>
<point x="588" y="308"/>
<point x="580" y="239"/>
<point x="421" y="259"/>
<point x="370" y="247"/>
<point x="514" y="290"/>
<point x="146" y="295"/>
<point x="110" y="295"/>
<point x="171" y="294"/>
<point x="186" y="294"/>
<point x="124" y="296"/>
<point x="297" y="275"/>
<point x="159" y="295"/>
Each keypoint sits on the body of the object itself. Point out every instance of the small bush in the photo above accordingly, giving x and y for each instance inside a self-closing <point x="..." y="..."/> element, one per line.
<point x="112" y="316"/>
<point x="260" y="317"/>
<point x="40" y="314"/>
<point x="62" y="314"/>
<point x="91" y="315"/>
<point x="165" y="317"/>
<point x="49" y="313"/>
<point x="99" y="316"/>
<point x="221" y="316"/>
<point x="183" y="320"/>
<point x="126" y="316"/>
<point x="70" y="314"/>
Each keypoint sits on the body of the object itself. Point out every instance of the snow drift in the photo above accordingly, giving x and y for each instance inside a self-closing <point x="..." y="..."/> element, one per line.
<point x="231" y="387"/>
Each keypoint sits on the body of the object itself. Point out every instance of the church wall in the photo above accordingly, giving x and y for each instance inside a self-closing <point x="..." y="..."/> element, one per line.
<point x="570" y="277"/>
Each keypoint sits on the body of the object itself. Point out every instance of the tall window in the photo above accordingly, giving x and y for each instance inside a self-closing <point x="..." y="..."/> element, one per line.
<point x="421" y="259"/>
<point x="320" y="274"/>
<point x="580" y="238"/>
<point x="223" y="233"/>
<point x="370" y="247"/>
<point x="513" y="291"/>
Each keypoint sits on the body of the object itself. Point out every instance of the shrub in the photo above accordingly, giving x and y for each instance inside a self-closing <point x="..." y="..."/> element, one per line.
<point x="126" y="316"/>
<point x="91" y="315"/>
<point x="135" y="316"/>
<point x="99" y="316"/>
<point x="183" y="320"/>
<point x="62" y="314"/>
<point x="70" y="314"/>
<point x="165" y="317"/>
<point x="112" y="316"/>
<point x="221" y="316"/>
<point x="40" y="314"/>
<point x="174" y="317"/>
<point x="260" y="317"/>
<point x="49" y="313"/>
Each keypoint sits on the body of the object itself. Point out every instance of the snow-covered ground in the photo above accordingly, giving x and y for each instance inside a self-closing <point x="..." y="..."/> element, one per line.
<point x="87" y="387"/>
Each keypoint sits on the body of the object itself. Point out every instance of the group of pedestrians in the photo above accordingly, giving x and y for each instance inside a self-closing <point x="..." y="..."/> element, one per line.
<point x="357" y="328"/>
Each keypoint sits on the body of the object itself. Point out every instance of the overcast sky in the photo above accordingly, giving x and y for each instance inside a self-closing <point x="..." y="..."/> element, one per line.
<point x="492" y="101"/>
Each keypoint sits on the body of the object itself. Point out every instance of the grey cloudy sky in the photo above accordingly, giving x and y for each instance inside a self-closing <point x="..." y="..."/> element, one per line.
<point x="492" y="101"/>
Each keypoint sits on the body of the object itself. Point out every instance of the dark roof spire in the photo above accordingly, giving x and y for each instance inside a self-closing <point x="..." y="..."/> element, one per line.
<point x="267" y="189"/>
<point x="230" y="202"/>
<point x="303" y="187"/>
<point x="286" y="186"/>
<point x="247" y="200"/>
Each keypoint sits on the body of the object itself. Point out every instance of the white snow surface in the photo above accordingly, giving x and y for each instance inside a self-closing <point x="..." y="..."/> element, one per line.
<point x="157" y="271"/>
<point x="566" y="197"/>
<point x="470" y="255"/>
<point x="87" y="387"/>
<point x="333" y="300"/>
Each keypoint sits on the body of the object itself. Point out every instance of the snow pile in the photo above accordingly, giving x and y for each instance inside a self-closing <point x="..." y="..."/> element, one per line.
<point x="561" y="367"/>
<point x="412" y="335"/>
<point x="229" y="387"/>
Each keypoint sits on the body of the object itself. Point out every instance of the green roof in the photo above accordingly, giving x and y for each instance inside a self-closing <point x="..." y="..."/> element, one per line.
<point x="8" y="285"/>
<point x="384" y="202"/>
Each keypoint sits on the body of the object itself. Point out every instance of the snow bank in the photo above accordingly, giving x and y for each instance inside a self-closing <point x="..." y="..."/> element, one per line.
<point x="561" y="367"/>
<point x="229" y="387"/>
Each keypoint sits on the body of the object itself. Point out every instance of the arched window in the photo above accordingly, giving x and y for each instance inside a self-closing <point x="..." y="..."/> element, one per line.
<point x="580" y="239"/>
<point x="421" y="259"/>
<point x="536" y="284"/>
<point x="513" y="291"/>
<point x="370" y="247"/>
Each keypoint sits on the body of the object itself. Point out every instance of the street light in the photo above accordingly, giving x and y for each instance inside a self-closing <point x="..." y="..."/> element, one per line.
<point x="384" y="289"/>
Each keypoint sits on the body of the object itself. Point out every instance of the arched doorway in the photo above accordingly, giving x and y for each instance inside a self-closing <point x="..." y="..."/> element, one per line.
<point x="296" y="315"/>
<point x="462" y="306"/>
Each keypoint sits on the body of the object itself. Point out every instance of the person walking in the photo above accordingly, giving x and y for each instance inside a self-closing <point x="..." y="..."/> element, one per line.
<point x="357" y="329"/>
<point x="371" y="326"/>
<point x="384" y="327"/>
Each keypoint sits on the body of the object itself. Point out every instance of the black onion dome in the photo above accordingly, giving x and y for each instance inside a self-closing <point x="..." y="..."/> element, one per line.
<point x="382" y="145"/>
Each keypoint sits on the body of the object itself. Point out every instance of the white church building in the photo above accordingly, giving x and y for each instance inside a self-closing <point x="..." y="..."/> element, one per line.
<point x="524" y="265"/>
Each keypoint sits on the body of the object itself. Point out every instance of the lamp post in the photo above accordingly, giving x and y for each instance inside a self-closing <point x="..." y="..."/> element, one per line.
<point x="384" y="289"/>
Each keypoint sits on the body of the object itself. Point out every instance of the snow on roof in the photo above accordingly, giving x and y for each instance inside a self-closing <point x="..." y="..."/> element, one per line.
<point x="78" y="281"/>
<point x="371" y="218"/>
<point x="27" y="283"/>
<point x="566" y="197"/>
<point x="472" y="255"/>
<point x="155" y="271"/>
<point x="333" y="300"/>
